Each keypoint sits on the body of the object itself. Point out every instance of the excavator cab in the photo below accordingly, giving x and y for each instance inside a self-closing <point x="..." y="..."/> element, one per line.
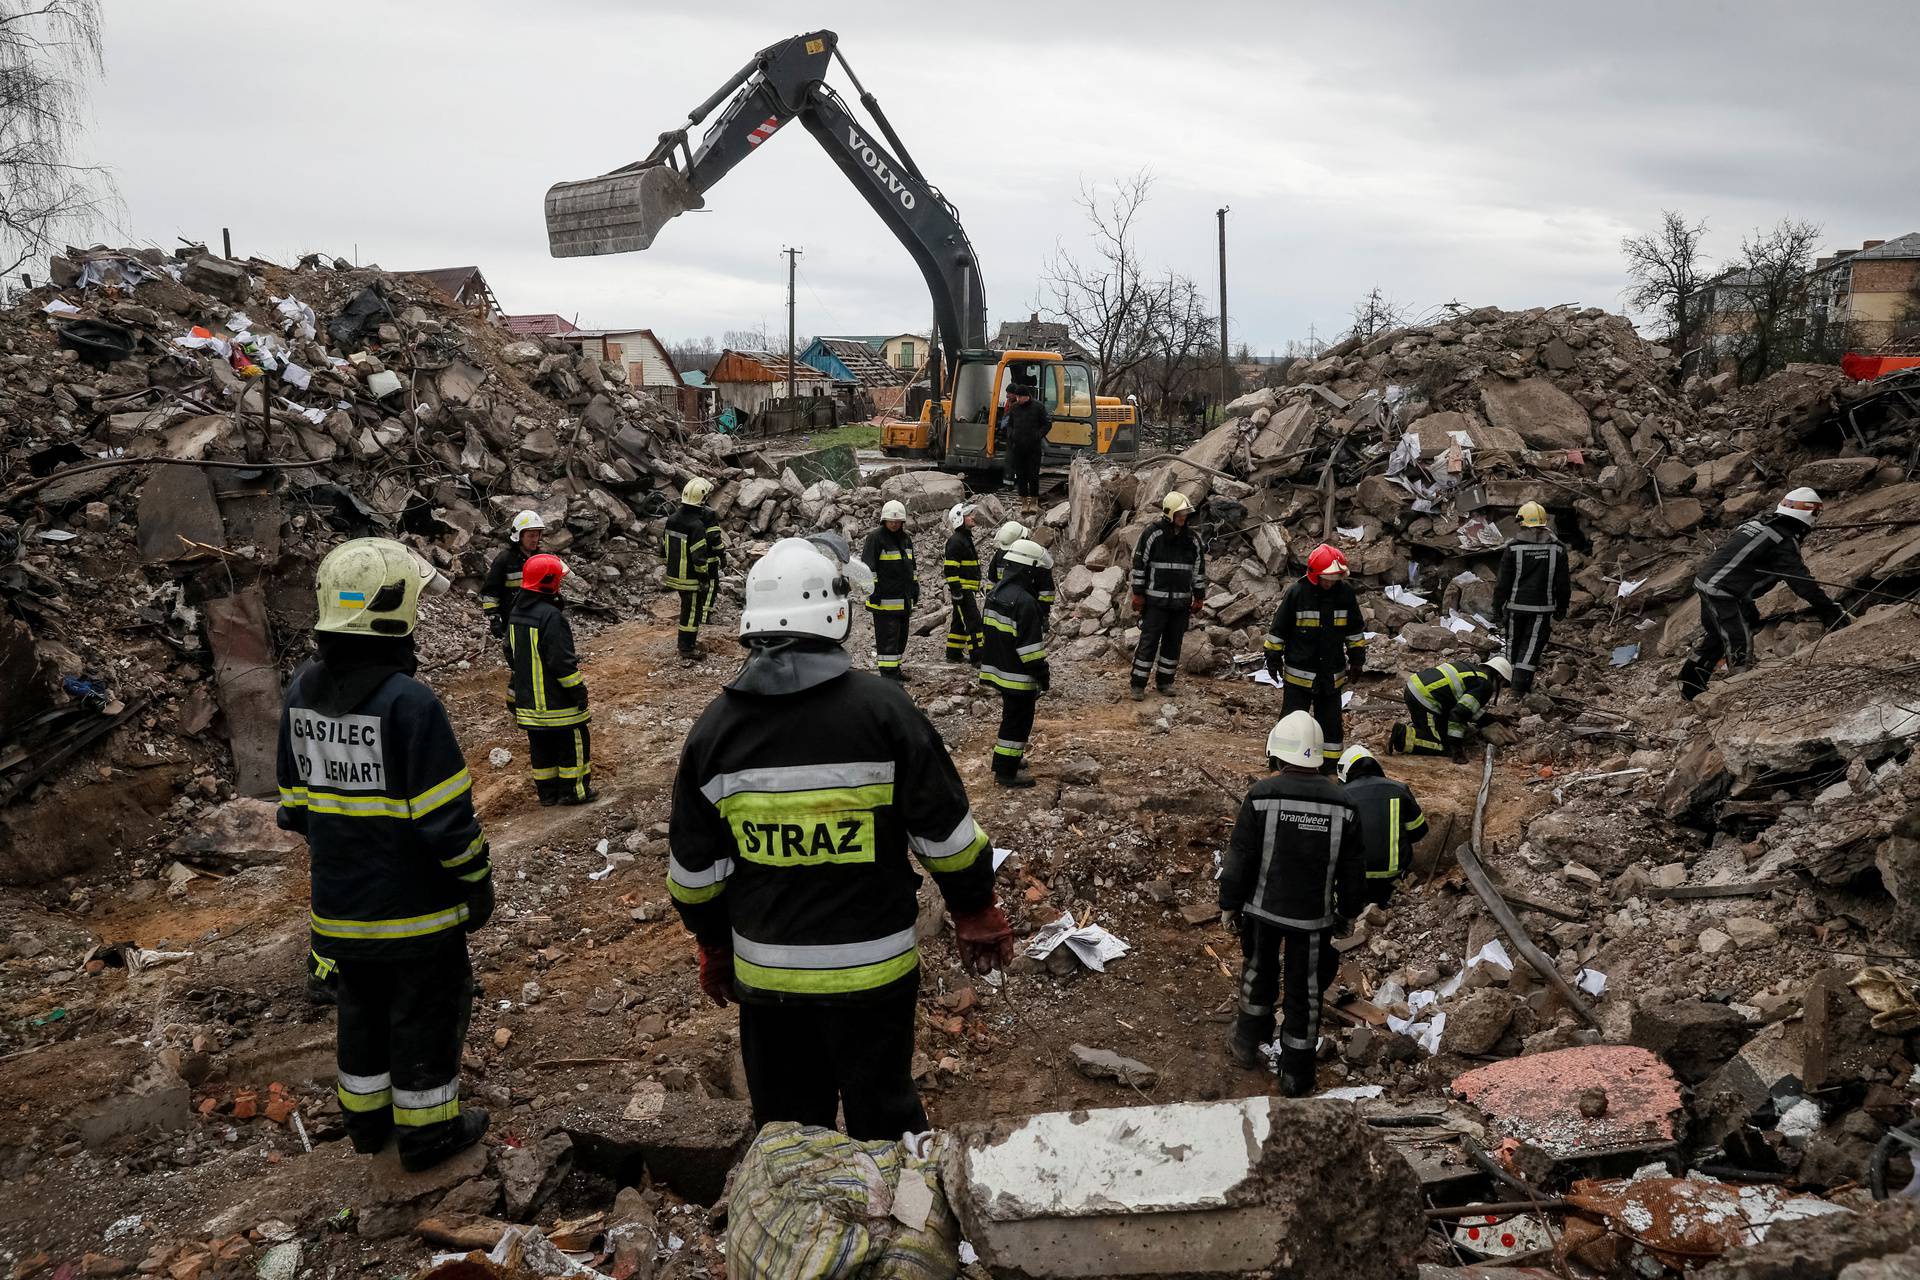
<point x="975" y="436"/>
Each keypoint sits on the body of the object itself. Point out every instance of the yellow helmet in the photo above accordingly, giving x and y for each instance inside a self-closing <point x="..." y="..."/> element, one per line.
<point x="696" y="490"/>
<point x="1533" y="516"/>
<point x="1175" y="502"/>
<point x="372" y="587"/>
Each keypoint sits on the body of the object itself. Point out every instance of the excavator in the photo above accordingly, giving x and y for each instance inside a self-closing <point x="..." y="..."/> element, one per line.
<point x="960" y="429"/>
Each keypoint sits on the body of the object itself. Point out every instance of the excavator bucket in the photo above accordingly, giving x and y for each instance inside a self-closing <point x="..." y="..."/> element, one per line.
<point x="619" y="213"/>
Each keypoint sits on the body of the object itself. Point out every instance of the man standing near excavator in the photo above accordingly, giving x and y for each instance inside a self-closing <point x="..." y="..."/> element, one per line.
<point x="801" y="790"/>
<point x="1027" y="424"/>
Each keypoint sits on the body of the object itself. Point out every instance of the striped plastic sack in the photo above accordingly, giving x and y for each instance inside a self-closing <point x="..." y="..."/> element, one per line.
<point x="813" y="1204"/>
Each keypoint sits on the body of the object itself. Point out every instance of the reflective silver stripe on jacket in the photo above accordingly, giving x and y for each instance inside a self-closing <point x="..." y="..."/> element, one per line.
<point x="1550" y="551"/>
<point x="1758" y="531"/>
<point x="1019" y="679"/>
<point x="720" y="870"/>
<point x="835" y="955"/>
<point x="798" y="777"/>
<point x="1336" y="825"/>
<point x="963" y="835"/>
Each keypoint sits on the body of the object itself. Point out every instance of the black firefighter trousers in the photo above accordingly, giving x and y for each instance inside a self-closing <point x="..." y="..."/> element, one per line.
<point x="562" y="761"/>
<point x="696" y="610"/>
<point x="402" y="1026"/>
<point x="807" y="1059"/>
<point x="1293" y="967"/>
<point x="1527" y="635"/>
<point x="1726" y="630"/>
<point x="965" y="634"/>
<point x="1016" y="730"/>
<point x="1162" y="631"/>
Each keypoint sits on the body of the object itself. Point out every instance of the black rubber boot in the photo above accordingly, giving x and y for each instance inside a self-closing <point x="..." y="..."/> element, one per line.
<point x="578" y="797"/>
<point x="473" y="1124"/>
<point x="1019" y="781"/>
<point x="1242" y="1051"/>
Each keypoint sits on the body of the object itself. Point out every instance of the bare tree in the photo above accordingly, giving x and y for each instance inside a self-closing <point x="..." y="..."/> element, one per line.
<point x="692" y="354"/>
<point x="1769" y="288"/>
<point x="1183" y="336"/>
<point x="1110" y="303"/>
<point x="1665" y="270"/>
<point x="1376" y="313"/>
<point x="754" y="339"/>
<point x="49" y="49"/>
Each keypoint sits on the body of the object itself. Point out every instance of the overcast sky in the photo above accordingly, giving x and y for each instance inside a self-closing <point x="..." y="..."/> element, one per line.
<point x="1479" y="152"/>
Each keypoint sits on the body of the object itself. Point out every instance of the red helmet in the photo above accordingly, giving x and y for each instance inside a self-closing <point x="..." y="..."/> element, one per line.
<point x="1326" y="564"/>
<point x="543" y="573"/>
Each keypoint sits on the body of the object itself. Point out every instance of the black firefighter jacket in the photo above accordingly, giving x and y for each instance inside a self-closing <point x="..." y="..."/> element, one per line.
<point x="547" y="687"/>
<point x="1296" y="858"/>
<point x="1169" y="566"/>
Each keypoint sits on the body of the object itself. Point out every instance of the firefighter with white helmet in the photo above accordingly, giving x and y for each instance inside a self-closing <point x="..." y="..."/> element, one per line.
<point x="1761" y="552"/>
<point x="1391" y="822"/>
<point x="371" y="774"/>
<point x="1318" y="641"/>
<point x="1169" y="583"/>
<point x="888" y="551"/>
<point x="503" y="575"/>
<point x="961" y="565"/>
<point x="1014" y="664"/>
<point x="695" y="550"/>
<point x="801" y="791"/>
<point x="1447" y="702"/>
<point x="1005" y="536"/>
<point x="1534" y="587"/>
<point x="1293" y="880"/>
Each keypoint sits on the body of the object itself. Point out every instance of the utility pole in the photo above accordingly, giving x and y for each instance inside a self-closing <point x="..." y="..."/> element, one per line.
<point x="1222" y="215"/>
<point x="791" y="255"/>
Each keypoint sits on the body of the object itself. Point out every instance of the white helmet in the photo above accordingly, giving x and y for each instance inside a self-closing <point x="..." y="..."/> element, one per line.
<point x="894" y="510"/>
<point x="1350" y="757"/>
<point x="1501" y="667"/>
<point x="1803" y="504"/>
<point x="696" y="490"/>
<point x="1029" y="553"/>
<point x="527" y="520"/>
<point x="957" y="514"/>
<point x="1009" y="533"/>
<point x="1296" y="740"/>
<point x="1175" y="502"/>
<point x="372" y="587"/>
<point x="797" y="589"/>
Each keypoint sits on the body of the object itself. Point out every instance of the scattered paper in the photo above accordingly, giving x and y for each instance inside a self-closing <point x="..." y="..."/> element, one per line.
<point x="602" y="873"/>
<point x="1263" y="676"/>
<point x="1591" y="981"/>
<point x="912" y="1200"/>
<point x="1352" y="1093"/>
<point x="296" y="376"/>
<point x="968" y="1255"/>
<point x="1464" y="577"/>
<point x="57" y="535"/>
<point x="1456" y="624"/>
<point x="602" y="848"/>
<point x="1354" y="534"/>
<point x="1346" y="697"/>
<point x="1495" y="954"/>
<point x="61" y="307"/>
<point x="1000" y="856"/>
<point x="1425" y="1034"/>
<point x="1623" y="654"/>
<point x="1400" y="595"/>
<point x="1628" y="588"/>
<point x="1091" y="945"/>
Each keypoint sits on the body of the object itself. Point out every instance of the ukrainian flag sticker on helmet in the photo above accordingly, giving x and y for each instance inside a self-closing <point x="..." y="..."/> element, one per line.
<point x="353" y="599"/>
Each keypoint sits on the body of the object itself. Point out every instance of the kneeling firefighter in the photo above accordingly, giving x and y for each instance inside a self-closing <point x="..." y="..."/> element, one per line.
<point x="1445" y="702"/>
<point x="372" y="775"/>
<point x="800" y="791"/>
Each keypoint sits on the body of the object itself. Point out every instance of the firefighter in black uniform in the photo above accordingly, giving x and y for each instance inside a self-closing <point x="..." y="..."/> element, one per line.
<point x="1390" y="820"/>
<point x="1446" y="701"/>
<point x="1533" y="589"/>
<point x="1005" y="536"/>
<point x="801" y="789"/>
<point x="695" y="549"/>
<point x="1026" y="425"/>
<point x="1760" y="553"/>
<point x="371" y="775"/>
<point x="961" y="562"/>
<point x="889" y="553"/>
<point x="502" y="582"/>
<point x="1294" y="879"/>
<point x="1015" y="663"/>
<point x="1169" y="583"/>
<point x="549" y="689"/>
<point x="1316" y="641"/>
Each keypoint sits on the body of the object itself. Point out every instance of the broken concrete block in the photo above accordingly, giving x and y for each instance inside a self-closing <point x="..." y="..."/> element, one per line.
<point x="1713" y="942"/>
<point x="227" y="281"/>
<point x="1829" y="1247"/>
<point x="1694" y="1037"/>
<point x="242" y="832"/>
<point x="1213" y="1189"/>
<point x="1476" y="1021"/>
<point x="687" y="1142"/>
<point x="1536" y="1100"/>
<point x="533" y="1171"/>
<point x="923" y="492"/>
<point x="1833" y="475"/>
<point x="1105" y="1064"/>
<point x="1747" y="931"/>
<point x="1537" y="411"/>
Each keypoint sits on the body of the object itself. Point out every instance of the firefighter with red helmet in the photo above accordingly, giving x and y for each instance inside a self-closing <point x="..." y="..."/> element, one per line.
<point x="549" y="692"/>
<point x="1317" y="641"/>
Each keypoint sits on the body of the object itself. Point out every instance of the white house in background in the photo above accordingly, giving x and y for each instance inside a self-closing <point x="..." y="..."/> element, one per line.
<point x="649" y="367"/>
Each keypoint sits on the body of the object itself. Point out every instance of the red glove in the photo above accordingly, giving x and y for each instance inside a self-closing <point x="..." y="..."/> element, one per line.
<point x="716" y="974"/>
<point x="1139" y="602"/>
<point x="985" y="939"/>
<point x="1193" y="605"/>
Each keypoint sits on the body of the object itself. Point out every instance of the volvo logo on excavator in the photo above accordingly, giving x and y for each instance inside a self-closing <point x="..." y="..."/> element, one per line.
<point x="881" y="170"/>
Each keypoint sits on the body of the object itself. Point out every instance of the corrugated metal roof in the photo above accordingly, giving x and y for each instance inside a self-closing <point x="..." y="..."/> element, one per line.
<point x="868" y="366"/>
<point x="1906" y="246"/>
